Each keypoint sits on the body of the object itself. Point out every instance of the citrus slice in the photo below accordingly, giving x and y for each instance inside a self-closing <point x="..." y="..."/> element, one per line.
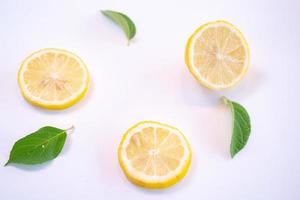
<point x="53" y="78"/>
<point x="154" y="155"/>
<point x="217" y="55"/>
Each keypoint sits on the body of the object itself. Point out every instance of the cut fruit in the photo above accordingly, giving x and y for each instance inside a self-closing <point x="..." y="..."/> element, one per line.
<point x="217" y="55"/>
<point x="154" y="155"/>
<point x="53" y="78"/>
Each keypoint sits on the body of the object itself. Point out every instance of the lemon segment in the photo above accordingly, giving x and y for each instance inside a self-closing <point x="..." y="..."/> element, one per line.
<point x="217" y="55"/>
<point x="154" y="155"/>
<point x="53" y="78"/>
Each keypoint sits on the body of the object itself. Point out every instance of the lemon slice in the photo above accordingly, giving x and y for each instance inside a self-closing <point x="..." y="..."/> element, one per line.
<point x="154" y="155"/>
<point x="217" y="55"/>
<point x="53" y="78"/>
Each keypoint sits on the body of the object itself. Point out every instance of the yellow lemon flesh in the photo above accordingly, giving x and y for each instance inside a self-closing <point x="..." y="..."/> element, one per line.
<point x="217" y="55"/>
<point x="53" y="78"/>
<point x="154" y="155"/>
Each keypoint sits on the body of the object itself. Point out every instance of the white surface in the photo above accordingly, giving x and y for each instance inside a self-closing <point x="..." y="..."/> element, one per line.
<point x="149" y="80"/>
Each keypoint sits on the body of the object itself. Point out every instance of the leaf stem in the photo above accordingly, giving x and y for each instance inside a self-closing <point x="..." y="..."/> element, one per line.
<point x="70" y="130"/>
<point x="224" y="99"/>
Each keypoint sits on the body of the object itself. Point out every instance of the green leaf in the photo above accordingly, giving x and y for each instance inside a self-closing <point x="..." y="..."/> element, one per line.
<point x="241" y="126"/>
<point x="43" y="145"/>
<point x="123" y="21"/>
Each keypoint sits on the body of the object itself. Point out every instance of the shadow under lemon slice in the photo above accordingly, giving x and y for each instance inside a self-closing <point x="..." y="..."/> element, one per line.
<point x="53" y="78"/>
<point x="154" y="155"/>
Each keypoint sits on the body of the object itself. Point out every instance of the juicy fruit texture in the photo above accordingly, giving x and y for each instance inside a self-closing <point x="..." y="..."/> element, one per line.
<point x="53" y="78"/>
<point x="217" y="54"/>
<point x="154" y="155"/>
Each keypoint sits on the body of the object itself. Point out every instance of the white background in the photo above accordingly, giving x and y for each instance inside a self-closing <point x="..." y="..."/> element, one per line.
<point x="149" y="80"/>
